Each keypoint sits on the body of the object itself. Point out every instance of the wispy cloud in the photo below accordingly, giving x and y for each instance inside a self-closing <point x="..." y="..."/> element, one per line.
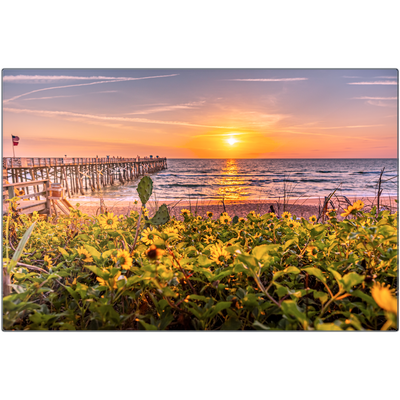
<point x="49" y="97"/>
<point x="55" y="78"/>
<point x="267" y="79"/>
<point x="374" y="98"/>
<point x="380" y="103"/>
<point x="373" y="83"/>
<point x="87" y="84"/>
<point x="324" y="134"/>
<point x="108" y="91"/>
<point x="386" y="77"/>
<point x="186" y="106"/>
<point x="351" y="77"/>
<point x="349" y="126"/>
<point x="108" y="119"/>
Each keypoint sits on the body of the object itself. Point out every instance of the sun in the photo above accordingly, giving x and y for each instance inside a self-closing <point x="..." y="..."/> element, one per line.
<point x="231" y="141"/>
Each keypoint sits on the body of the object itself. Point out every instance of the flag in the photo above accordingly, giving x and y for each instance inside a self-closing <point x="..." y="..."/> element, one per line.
<point x="15" y="140"/>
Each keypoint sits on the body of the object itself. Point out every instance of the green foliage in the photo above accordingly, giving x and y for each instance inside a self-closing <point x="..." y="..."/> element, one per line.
<point x="145" y="189"/>
<point x="262" y="273"/>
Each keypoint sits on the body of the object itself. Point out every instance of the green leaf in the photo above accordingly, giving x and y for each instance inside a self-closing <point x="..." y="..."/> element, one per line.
<point x="147" y="326"/>
<point x="327" y="327"/>
<point x="72" y="293"/>
<point x="92" y="251"/>
<point x="259" y="326"/>
<point x="18" y="253"/>
<point x="317" y="231"/>
<point x="231" y="324"/>
<point x="288" y="270"/>
<point x="290" y="308"/>
<point x="315" y="272"/>
<point x="169" y="292"/>
<point x="262" y="252"/>
<point x="321" y="296"/>
<point x="250" y="262"/>
<point x="363" y="296"/>
<point x="351" y="279"/>
<point x="97" y="271"/>
<point x="290" y="242"/>
<point x="222" y="305"/>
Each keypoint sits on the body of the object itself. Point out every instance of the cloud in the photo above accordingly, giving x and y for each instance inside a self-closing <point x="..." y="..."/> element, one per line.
<point x="108" y="91"/>
<point x="54" y="78"/>
<point x="351" y="77"/>
<point x="373" y="83"/>
<point x="374" y="98"/>
<point x="267" y="79"/>
<point x="349" y="126"/>
<point x="325" y="134"/>
<point x="87" y="84"/>
<point x="185" y="106"/>
<point x="380" y="103"/>
<point x="386" y="77"/>
<point x="92" y="117"/>
<point x="49" y="97"/>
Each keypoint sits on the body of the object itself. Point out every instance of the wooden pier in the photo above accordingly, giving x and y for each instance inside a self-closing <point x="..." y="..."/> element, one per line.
<point x="79" y="175"/>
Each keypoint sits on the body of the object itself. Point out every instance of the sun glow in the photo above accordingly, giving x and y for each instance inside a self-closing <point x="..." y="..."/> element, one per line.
<point x="231" y="141"/>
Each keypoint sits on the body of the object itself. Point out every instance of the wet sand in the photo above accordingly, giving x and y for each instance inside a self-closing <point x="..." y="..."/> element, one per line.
<point x="303" y="207"/>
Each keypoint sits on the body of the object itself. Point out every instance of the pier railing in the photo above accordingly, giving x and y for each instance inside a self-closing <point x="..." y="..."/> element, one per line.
<point x="80" y="175"/>
<point x="38" y="199"/>
<point x="26" y="162"/>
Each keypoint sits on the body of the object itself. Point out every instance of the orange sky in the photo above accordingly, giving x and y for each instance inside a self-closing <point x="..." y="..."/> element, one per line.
<point x="194" y="113"/>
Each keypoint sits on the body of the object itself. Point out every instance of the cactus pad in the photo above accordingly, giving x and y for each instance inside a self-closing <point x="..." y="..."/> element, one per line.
<point x="145" y="189"/>
<point x="161" y="217"/>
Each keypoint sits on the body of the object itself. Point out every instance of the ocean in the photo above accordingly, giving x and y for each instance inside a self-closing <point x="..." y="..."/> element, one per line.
<point x="257" y="179"/>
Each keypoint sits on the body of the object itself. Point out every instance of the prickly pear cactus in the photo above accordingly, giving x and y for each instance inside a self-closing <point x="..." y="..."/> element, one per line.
<point x="145" y="189"/>
<point x="235" y="219"/>
<point x="161" y="217"/>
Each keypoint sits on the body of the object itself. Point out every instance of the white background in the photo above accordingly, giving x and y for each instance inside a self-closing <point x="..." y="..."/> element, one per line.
<point x="222" y="34"/>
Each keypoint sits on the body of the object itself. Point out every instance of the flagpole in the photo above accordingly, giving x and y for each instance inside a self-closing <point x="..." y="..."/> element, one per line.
<point x="12" y="142"/>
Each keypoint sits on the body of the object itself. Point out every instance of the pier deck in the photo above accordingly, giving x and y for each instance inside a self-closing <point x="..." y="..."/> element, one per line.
<point x="80" y="175"/>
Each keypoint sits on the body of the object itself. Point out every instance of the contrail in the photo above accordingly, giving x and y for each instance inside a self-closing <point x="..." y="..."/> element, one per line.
<point x="87" y="84"/>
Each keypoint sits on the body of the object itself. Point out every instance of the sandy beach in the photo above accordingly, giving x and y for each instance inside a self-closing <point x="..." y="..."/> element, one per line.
<point x="303" y="207"/>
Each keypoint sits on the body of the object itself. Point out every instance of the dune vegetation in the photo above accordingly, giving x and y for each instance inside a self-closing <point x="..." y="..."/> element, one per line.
<point x="133" y="272"/>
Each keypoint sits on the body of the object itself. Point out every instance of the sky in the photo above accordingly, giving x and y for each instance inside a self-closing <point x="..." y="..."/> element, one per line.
<point x="201" y="113"/>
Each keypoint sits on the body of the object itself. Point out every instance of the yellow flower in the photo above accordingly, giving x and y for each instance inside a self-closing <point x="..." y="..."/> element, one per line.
<point x="311" y="250"/>
<point x="185" y="212"/>
<point x="331" y="213"/>
<point x="384" y="298"/>
<point x="225" y="218"/>
<point x="83" y="251"/>
<point x="293" y="224"/>
<point x="242" y="220"/>
<point x="111" y="282"/>
<point x="347" y="211"/>
<point x="253" y="213"/>
<point x="313" y="219"/>
<point x="286" y="215"/>
<point x="219" y="254"/>
<point x="358" y="205"/>
<point x="126" y="259"/>
<point x="171" y="230"/>
<point x="48" y="261"/>
<point x="153" y="252"/>
<point x="149" y="236"/>
<point x="145" y="211"/>
<point x="108" y="221"/>
<point x="209" y="239"/>
<point x="209" y="214"/>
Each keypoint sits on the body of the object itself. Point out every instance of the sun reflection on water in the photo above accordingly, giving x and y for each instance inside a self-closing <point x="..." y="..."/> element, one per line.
<point x="232" y="187"/>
